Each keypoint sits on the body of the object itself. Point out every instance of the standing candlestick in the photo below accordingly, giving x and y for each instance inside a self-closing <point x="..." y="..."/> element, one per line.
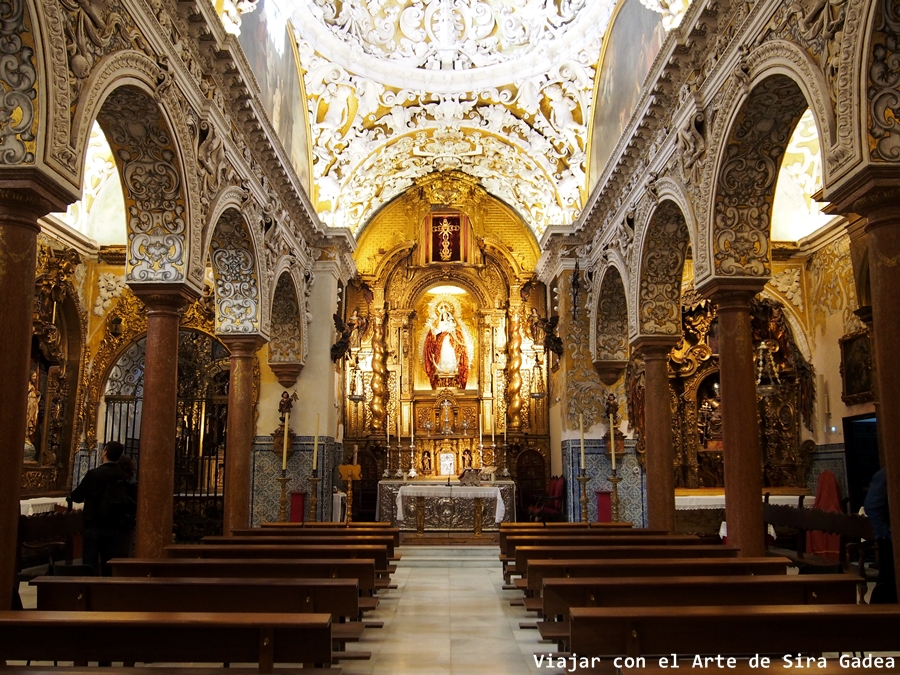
<point x="583" y="479"/>
<point x="581" y="428"/>
<point x="612" y="440"/>
<point x="282" y="505"/>
<point x="284" y="443"/>
<point x="387" y="427"/>
<point x="314" y="497"/>
<point x="614" y="497"/>
<point x="316" y="446"/>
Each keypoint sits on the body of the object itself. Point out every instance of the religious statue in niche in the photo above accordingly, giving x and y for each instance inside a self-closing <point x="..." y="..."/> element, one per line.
<point x="446" y="353"/>
<point x="467" y="459"/>
<point x="426" y="462"/>
<point x="31" y="417"/>
<point x="709" y="415"/>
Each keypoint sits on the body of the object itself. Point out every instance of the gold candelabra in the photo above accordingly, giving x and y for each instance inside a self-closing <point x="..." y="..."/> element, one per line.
<point x="614" y="497"/>
<point x="583" y="479"/>
<point x="282" y="506"/>
<point x="314" y="481"/>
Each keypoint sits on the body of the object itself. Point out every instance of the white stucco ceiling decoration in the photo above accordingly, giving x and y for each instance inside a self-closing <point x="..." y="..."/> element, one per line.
<point x="499" y="89"/>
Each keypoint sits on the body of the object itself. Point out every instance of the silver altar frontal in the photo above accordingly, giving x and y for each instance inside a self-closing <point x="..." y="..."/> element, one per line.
<point x="445" y="510"/>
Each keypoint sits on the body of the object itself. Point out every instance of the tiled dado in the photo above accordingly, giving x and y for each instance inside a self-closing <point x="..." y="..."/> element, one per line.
<point x="632" y="491"/>
<point x="265" y="493"/>
<point x="833" y="458"/>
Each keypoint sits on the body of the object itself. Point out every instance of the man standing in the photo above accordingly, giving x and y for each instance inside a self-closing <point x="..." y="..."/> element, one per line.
<point x="105" y="495"/>
<point x="876" y="506"/>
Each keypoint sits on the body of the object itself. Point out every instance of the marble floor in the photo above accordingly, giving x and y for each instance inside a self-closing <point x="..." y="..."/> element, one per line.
<point x="449" y="620"/>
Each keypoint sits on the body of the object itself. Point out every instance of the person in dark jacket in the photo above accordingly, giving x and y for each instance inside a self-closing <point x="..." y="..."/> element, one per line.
<point x="876" y="506"/>
<point x="104" y="494"/>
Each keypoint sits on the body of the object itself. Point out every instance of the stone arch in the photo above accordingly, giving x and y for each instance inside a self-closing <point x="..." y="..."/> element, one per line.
<point x="286" y="335"/>
<point x="235" y="270"/>
<point x="438" y="276"/>
<point x="657" y="286"/>
<point x="751" y="143"/>
<point x="143" y="122"/>
<point x="794" y="320"/>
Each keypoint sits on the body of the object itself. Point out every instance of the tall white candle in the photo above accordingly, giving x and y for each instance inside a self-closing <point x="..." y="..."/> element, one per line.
<point x="505" y="419"/>
<point x="581" y="428"/>
<point x="612" y="439"/>
<point x="316" y="445"/>
<point x="480" y="442"/>
<point x="387" y="427"/>
<point x="284" y="442"/>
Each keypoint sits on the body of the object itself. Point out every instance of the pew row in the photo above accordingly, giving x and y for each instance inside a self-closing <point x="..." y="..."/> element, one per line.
<point x="560" y="595"/>
<point x="328" y="524"/>
<point x="145" y="637"/>
<point x="378" y="554"/>
<point x="539" y="570"/>
<point x="286" y="539"/>
<point x="748" y="629"/>
<point x="514" y="541"/>
<point x="317" y="532"/>
<point x="337" y="597"/>
<point x="362" y="570"/>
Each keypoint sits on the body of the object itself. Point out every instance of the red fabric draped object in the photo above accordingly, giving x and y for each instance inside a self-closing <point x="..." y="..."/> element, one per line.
<point x="828" y="498"/>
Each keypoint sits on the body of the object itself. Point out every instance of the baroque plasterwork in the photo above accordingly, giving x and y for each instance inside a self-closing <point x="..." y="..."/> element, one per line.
<point x="611" y="337"/>
<point x="665" y="248"/>
<point x="18" y="86"/>
<point x="154" y="191"/>
<point x="286" y="338"/>
<point x="832" y="288"/>
<point x="884" y="85"/>
<point x="384" y="122"/>
<point x="237" y="280"/>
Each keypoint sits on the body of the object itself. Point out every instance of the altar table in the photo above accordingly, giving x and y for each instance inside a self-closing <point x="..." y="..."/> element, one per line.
<point x="434" y="506"/>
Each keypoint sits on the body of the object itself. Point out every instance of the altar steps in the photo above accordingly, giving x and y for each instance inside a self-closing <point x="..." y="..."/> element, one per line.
<point x="484" y="557"/>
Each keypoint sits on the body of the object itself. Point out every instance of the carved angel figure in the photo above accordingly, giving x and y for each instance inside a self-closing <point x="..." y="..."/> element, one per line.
<point x="340" y="348"/>
<point x="544" y="331"/>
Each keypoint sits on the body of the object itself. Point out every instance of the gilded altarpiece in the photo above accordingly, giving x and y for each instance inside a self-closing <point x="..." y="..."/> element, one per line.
<point x="785" y="397"/>
<point x="55" y="382"/>
<point x="445" y="337"/>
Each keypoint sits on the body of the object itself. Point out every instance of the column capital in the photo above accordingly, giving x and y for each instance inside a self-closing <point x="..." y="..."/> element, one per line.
<point x="28" y="193"/>
<point x="242" y="345"/>
<point x="732" y="293"/>
<point x="654" y="346"/>
<point x="164" y="297"/>
<point x="866" y="191"/>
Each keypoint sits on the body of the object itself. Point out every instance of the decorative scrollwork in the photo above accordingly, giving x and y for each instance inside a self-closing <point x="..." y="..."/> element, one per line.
<point x="18" y="86"/>
<point x="665" y="249"/>
<point x="612" y="319"/>
<point x="234" y="269"/>
<point x="286" y="338"/>
<point x="884" y="85"/>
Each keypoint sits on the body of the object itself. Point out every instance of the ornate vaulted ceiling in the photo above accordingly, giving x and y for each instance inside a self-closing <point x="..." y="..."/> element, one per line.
<point x="499" y="89"/>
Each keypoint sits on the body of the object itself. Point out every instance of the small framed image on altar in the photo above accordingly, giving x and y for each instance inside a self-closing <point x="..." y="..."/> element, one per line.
<point x="447" y="463"/>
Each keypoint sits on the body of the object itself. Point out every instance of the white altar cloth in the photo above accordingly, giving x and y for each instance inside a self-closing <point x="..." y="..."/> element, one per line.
<point x="28" y="507"/>
<point x="452" y="492"/>
<point x="704" y="502"/>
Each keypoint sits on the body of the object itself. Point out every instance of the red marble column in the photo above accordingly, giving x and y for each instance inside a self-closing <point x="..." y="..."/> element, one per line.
<point x="740" y="424"/>
<point x="658" y="446"/>
<point x="884" y="277"/>
<point x="157" y="470"/>
<point x="240" y="430"/>
<point x="19" y="212"/>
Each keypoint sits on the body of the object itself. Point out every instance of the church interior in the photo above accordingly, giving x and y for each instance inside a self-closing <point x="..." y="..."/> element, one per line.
<point x="457" y="274"/>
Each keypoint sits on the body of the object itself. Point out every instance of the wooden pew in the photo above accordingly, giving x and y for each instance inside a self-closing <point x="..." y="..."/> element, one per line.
<point x="524" y="554"/>
<point x="545" y="526"/>
<point x="265" y="639"/>
<point x="332" y="524"/>
<point x="748" y="629"/>
<point x="361" y="569"/>
<point x="511" y="542"/>
<point x="285" y="540"/>
<point x="538" y="570"/>
<point x="376" y="553"/>
<point x="560" y="595"/>
<point x="336" y="597"/>
<point x="551" y="535"/>
<point x="317" y="532"/>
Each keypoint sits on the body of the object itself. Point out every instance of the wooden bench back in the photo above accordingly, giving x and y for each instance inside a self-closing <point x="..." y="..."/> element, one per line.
<point x="337" y="597"/>
<point x="526" y="553"/>
<point x="513" y="541"/>
<point x="538" y="570"/>
<point x="164" y="636"/>
<point x="46" y="534"/>
<point x="285" y="540"/>
<point x="317" y="532"/>
<point x="753" y="629"/>
<point x="595" y="532"/>
<point x="331" y="524"/>
<point x="559" y="595"/>
<point x="363" y="570"/>
<point x="376" y="553"/>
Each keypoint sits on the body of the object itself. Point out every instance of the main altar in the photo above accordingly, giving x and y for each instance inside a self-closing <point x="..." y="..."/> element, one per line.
<point x="446" y="509"/>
